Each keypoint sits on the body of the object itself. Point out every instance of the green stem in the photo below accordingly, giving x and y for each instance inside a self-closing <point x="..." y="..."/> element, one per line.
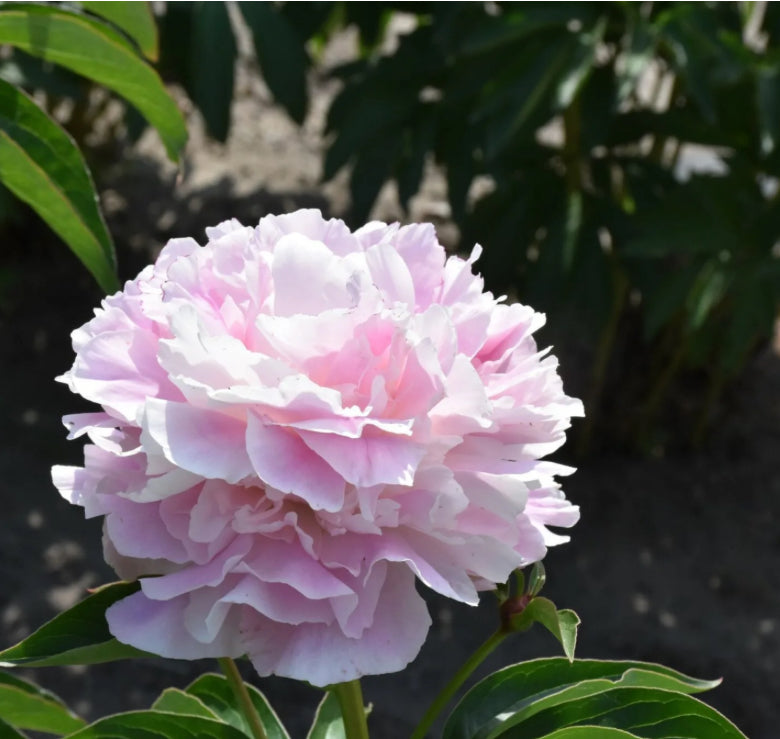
<point x="604" y="350"/>
<point x="452" y="687"/>
<point x="353" y="710"/>
<point x="572" y="150"/>
<point x="242" y="696"/>
<point x="649" y="408"/>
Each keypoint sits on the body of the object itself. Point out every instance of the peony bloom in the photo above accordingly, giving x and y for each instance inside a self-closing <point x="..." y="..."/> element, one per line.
<point x="298" y="422"/>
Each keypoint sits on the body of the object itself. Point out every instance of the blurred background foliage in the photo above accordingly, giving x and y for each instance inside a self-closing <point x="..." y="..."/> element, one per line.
<point x="618" y="161"/>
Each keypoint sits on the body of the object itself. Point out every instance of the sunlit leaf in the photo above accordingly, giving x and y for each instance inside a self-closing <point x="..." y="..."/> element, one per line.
<point x="561" y="624"/>
<point x="173" y="700"/>
<point x="78" y="636"/>
<point x="581" y="64"/>
<point x="491" y="702"/>
<point x="25" y="706"/>
<point x="708" y="288"/>
<point x="91" y="48"/>
<point x="134" y="18"/>
<point x="9" y="732"/>
<point x="215" y="693"/>
<point x="328" y="723"/>
<point x="646" y="712"/>
<point x="158" y="725"/>
<point x="638" y="51"/>
<point x="589" y="732"/>
<point x="42" y="165"/>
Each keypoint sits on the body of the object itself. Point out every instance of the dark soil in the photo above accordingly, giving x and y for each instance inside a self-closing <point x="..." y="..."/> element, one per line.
<point x="676" y="559"/>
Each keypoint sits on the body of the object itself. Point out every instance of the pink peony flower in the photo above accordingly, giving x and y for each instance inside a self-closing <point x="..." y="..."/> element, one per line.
<point x="298" y="422"/>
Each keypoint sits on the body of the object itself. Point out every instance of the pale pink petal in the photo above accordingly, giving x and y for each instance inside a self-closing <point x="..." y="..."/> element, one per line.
<point x="309" y="278"/>
<point x="390" y="274"/>
<point x="273" y="560"/>
<point x="282" y="460"/>
<point x="310" y="223"/>
<point x="197" y="576"/>
<point x="278" y="602"/>
<point x="157" y="627"/>
<point x="323" y="655"/>
<point x="369" y="460"/>
<point x="204" y="442"/>
<point x="135" y="530"/>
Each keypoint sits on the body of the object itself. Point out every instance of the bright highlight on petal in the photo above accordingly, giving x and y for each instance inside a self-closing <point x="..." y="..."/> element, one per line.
<point x="298" y="423"/>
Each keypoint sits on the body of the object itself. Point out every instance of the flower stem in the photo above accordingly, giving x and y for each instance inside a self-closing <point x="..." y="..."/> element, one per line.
<point x="460" y="677"/>
<point x="242" y="696"/>
<point x="353" y="711"/>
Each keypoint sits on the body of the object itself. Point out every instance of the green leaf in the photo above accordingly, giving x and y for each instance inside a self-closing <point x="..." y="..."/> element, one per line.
<point x="158" y="725"/>
<point x="42" y="165"/>
<point x="698" y="217"/>
<point x="30" y="74"/>
<point x="767" y="82"/>
<point x="589" y="732"/>
<point x="566" y="625"/>
<point x="523" y="97"/>
<point x="752" y="315"/>
<point x="91" y="48"/>
<point x="383" y="111"/>
<point x="173" y="700"/>
<point x="536" y="580"/>
<point x="6" y="678"/>
<point x="581" y="64"/>
<point x="647" y="712"/>
<point x="561" y="624"/>
<point x="419" y="142"/>
<point x="134" y="18"/>
<point x="36" y="711"/>
<point x="572" y="228"/>
<point x="694" y="36"/>
<point x="582" y="690"/>
<point x="8" y="732"/>
<point x="313" y="19"/>
<point x="648" y="676"/>
<point x="520" y="21"/>
<point x="708" y="288"/>
<point x="514" y="688"/>
<point x="211" y="66"/>
<point x="373" y="167"/>
<point x="282" y="56"/>
<point x="637" y="53"/>
<point x="459" y="160"/>
<point x="215" y="693"/>
<point x="371" y="20"/>
<point x="665" y="295"/>
<point x="79" y="636"/>
<point x="328" y="722"/>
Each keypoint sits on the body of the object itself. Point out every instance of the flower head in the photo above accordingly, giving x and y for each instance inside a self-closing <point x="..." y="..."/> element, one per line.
<point x="298" y="422"/>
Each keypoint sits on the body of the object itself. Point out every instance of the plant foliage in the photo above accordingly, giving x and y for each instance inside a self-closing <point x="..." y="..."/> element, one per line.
<point x="547" y="698"/>
<point x="106" y="43"/>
